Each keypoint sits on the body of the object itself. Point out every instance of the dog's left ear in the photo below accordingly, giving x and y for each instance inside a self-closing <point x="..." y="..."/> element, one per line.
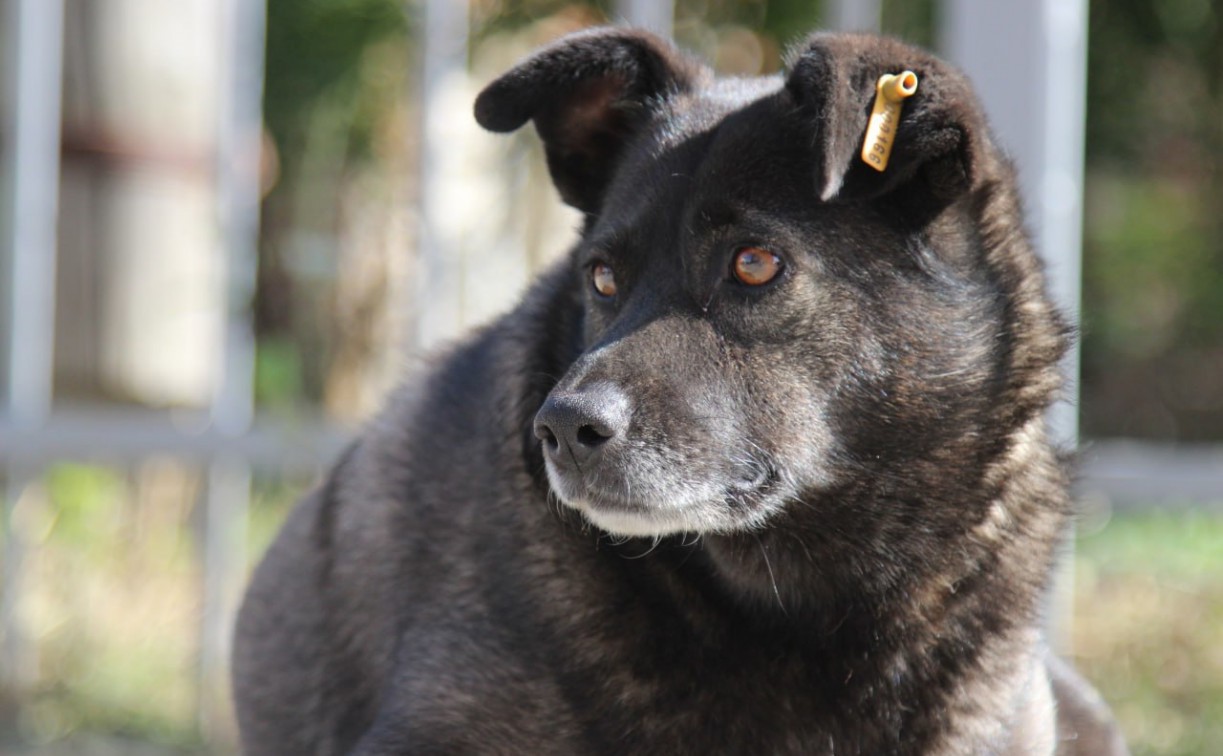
<point x="588" y="94"/>
<point x="939" y="141"/>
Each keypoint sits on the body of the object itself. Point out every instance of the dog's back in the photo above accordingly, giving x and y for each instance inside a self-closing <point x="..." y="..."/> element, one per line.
<point x="760" y="468"/>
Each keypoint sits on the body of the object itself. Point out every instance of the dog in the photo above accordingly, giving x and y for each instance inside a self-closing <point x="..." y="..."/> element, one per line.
<point x="760" y="468"/>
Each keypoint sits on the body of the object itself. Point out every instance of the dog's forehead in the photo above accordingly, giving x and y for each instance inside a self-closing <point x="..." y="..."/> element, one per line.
<point x="705" y="109"/>
<point x="730" y="138"/>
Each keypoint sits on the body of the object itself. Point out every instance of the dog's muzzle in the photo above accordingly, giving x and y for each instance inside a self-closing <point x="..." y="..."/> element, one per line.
<point x="576" y="427"/>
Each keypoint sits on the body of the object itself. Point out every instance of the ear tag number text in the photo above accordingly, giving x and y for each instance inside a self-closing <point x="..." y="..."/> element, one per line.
<point x="890" y="93"/>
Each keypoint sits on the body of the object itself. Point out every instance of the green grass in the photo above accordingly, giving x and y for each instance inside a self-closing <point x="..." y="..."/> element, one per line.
<point x="113" y="600"/>
<point x="114" y="603"/>
<point x="1148" y="628"/>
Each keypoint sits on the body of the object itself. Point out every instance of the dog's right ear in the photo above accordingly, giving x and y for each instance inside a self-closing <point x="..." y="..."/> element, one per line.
<point x="941" y="140"/>
<point x="587" y="93"/>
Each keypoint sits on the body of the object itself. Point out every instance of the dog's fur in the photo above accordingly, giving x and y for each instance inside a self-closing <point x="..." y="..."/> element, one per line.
<point x="815" y="516"/>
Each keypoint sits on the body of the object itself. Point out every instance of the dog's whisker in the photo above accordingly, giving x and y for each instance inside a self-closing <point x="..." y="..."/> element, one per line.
<point x="772" y="578"/>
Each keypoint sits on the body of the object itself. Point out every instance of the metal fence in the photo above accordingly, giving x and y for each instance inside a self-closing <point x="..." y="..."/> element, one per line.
<point x="1037" y="111"/>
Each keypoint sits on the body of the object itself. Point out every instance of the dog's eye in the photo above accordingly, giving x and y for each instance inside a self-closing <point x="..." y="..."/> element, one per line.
<point x="603" y="279"/>
<point x="755" y="266"/>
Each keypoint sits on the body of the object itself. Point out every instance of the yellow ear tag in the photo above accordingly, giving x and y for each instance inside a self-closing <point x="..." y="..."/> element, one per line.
<point x="890" y="93"/>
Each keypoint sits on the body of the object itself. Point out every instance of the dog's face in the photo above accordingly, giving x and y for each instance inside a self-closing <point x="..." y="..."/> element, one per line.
<point x="764" y="316"/>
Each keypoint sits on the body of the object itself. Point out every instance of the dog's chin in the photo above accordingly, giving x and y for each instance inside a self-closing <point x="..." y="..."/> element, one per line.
<point x="627" y="523"/>
<point x="648" y="520"/>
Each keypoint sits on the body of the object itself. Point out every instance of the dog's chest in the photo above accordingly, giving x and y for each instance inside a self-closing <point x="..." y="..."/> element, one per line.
<point x="740" y="697"/>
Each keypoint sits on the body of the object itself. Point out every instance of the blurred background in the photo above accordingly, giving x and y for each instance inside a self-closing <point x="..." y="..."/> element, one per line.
<point x="227" y="228"/>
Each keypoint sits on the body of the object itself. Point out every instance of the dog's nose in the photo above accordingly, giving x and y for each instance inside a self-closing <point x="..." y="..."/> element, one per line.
<point x="575" y="425"/>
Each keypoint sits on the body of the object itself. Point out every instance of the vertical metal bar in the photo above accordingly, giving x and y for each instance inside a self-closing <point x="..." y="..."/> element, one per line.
<point x="1028" y="61"/>
<point x="33" y="193"/>
<point x="439" y="291"/>
<point x="35" y="40"/>
<point x="1060" y="233"/>
<point x="19" y="654"/>
<point x="855" y="15"/>
<point x="239" y="137"/>
<point x="224" y="525"/>
<point x="657" y="16"/>
<point x="239" y="134"/>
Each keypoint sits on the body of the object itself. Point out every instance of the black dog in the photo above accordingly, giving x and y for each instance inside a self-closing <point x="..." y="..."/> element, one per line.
<point x="761" y="468"/>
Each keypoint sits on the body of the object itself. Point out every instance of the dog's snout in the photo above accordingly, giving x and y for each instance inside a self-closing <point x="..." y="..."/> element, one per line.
<point x="575" y="425"/>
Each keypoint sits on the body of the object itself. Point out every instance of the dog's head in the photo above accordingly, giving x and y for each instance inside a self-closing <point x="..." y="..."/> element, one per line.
<point x="767" y="318"/>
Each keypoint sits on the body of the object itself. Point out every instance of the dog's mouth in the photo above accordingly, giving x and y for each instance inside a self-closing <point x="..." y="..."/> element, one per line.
<point x="670" y="503"/>
<point x="632" y="469"/>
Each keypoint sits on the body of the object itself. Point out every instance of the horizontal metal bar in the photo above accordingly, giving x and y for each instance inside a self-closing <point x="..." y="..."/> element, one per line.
<point x="1132" y="474"/>
<point x="1145" y="475"/>
<point x="120" y="436"/>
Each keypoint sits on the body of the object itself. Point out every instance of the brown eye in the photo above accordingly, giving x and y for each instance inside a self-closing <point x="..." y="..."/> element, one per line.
<point x="604" y="279"/>
<point x="755" y="266"/>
